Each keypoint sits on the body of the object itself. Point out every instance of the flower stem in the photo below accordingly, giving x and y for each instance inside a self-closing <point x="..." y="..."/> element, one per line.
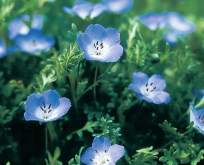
<point x="96" y="71"/>
<point x="78" y="77"/>
<point x="46" y="138"/>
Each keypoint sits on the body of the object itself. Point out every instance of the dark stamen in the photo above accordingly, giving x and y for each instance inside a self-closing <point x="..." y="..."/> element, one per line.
<point x="91" y="159"/>
<point x="97" y="43"/>
<point x="147" y="89"/>
<point x="146" y="84"/>
<point x="41" y="108"/>
<point x="105" y="151"/>
<point x="101" y="44"/>
<point x="49" y="106"/>
<point x="199" y="116"/>
<point x="154" y="87"/>
<point x="44" y="105"/>
<point x="94" y="45"/>
<point x="96" y="151"/>
<point x="97" y="48"/>
<point x="101" y="47"/>
<point x="49" y="111"/>
<point x="151" y="83"/>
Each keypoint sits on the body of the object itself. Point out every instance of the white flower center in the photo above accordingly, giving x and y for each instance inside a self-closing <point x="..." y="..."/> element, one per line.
<point x="101" y="158"/>
<point x="97" y="46"/>
<point x="148" y="89"/>
<point x="46" y="111"/>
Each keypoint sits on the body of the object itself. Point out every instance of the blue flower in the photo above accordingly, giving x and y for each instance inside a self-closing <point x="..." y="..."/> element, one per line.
<point x="150" y="89"/>
<point x="45" y="107"/>
<point x="102" y="152"/>
<point x="197" y="116"/>
<point x="34" y="42"/>
<point x="3" y="50"/>
<point x="17" y="26"/>
<point x="100" y="44"/>
<point x="154" y="20"/>
<point x="118" y="6"/>
<point x="174" y="25"/>
<point x="84" y="9"/>
<point x="198" y="93"/>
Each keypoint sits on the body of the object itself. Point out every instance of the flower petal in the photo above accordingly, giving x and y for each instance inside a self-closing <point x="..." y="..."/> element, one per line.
<point x="67" y="10"/>
<point x="196" y="123"/>
<point x="134" y="88"/>
<point x="3" y="50"/>
<point x="157" y="81"/>
<point x="95" y="32"/>
<point x="29" y="117"/>
<point x="88" y="155"/>
<point x="51" y="97"/>
<point x="37" y="22"/>
<point x="177" y="22"/>
<point x="101" y="144"/>
<point x="84" y="41"/>
<point x="119" y="5"/>
<point x="113" y="54"/>
<point x="116" y="152"/>
<point x="61" y="110"/>
<point x="140" y="79"/>
<point x="143" y="97"/>
<point x="97" y="10"/>
<point x="32" y="107"/>
<point x="111" y="37"/>
<point x="159" y="97"/>
<point x="82" y="8"/>
<point x="16" y="27"/>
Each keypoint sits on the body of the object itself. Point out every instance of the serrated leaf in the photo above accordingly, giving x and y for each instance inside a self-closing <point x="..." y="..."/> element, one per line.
<point x="170" y="131"/>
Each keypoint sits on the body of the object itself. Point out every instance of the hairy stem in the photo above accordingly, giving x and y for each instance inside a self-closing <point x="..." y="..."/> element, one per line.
<point x="96" y="71"/>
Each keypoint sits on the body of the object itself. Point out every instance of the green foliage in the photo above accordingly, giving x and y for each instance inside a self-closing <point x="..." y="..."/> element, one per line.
<point x="109" y="129"/>
<point x="144" y="156"/>
<point x="87" y="127"/>
<point x="136" y="51"/>
<point x="183" y="152"/>
<point x="44" y="80"/>
<point x="53" y="160"/>
<point x="76" y="160"/>
<point x="170" y="131"/>
<point x="71" y="58"/>
<point x="168" y="157"/>
<point x="6" y="115"/>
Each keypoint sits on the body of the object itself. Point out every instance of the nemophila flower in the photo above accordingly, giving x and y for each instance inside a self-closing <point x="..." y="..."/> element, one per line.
<point x="45" y="107"/>
<point x="154" y="20"/>
<point x="34" y="42"/>
<point x="118" y="6"/>
<point x="85" y="8"/>
<point x="174" y="25"/>
<point x="150" y="89"/>
<point x="177" y="22"/>
<point x="198" y="93"/>
<point x="100" y="44"/>
<point x="197" y="116"/>
<point x="17" y="26"/>
<point x="102" y="153"/>
<point x="3" y="50"/>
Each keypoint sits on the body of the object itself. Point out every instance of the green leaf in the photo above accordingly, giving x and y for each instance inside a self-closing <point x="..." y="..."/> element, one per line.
<point x="170" y="131"/>
<point x="168" y="157"/>
<point x="144" y="156"/>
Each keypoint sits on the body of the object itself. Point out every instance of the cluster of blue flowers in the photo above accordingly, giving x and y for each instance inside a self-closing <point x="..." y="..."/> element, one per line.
<point x="174" y="25"/>
<point x="103" y="45"/>
<point x="85" y="8"/>
<point x="27" y="39"/>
